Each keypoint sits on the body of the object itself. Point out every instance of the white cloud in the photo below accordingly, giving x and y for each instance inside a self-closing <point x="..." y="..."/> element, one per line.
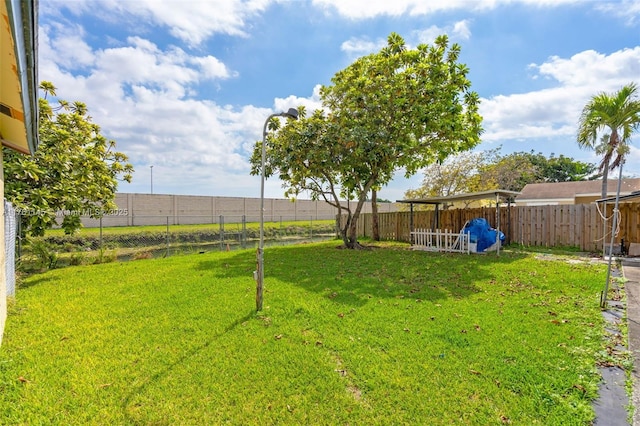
<point x="458" y="31"/>
<point x="628" y="10"/>
<point x="632" y="163"/>
<point x="555" y="111"/>
<point x="143" y="94"/>
<point x="590" y="68"/>
<point x="428" y="35"/>
<point x="544" y="113"/>
<point x="195" y="21"/>
<point x="363" y="9"/>
<point x="358" y="46"/>
<point x="115" y="71"/>
<point x="190" y="21"/>
<point x="139" y="93"/>
<point x="311" y="104"/>
<point x="69" y="49"/>
<point x="211" y="67"/>
<point x="143" y="97"/>
<point x="461" y="29"/>
<point x="361" y="46"/>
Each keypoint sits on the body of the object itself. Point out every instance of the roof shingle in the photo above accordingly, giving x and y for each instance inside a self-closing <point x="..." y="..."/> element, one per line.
<point x="564" y="190"/>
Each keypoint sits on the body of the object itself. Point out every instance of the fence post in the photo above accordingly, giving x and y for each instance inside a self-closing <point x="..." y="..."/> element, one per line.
<point x="221" y="227"/>
<point x="167" y="236"/>
<point x="19" y="234"/>
<point x="243" y="237"/>
<point x="410" y="223"/>
<point x="100" y="240"/>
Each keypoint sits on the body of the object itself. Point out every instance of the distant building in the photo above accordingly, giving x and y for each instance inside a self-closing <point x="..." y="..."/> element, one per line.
<point x="581" y="192"/>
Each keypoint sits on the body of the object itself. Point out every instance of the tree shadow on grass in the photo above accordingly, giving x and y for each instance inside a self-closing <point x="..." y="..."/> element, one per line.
<point x="33" y="281"/>
<point x="161" y="374"/>
<point x="352" y="277"/>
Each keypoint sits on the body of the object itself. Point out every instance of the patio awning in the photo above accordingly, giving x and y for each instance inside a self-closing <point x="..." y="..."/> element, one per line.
<point x="496" y="194"/>
<point x="482" y="195"/>
<point x="629" y="197"/>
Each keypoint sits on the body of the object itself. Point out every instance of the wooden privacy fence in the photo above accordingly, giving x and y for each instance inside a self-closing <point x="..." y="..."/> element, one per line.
<point x="579" y="225"/>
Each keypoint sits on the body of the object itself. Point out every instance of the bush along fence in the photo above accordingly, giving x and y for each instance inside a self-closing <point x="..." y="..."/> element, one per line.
<point x="580" y="226"/>
<point x="105" y="244"/>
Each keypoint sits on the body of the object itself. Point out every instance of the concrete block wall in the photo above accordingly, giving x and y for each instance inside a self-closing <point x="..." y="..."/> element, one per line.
<point x="160" y="209"/>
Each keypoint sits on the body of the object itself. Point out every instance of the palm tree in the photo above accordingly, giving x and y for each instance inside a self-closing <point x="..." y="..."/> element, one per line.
<point x="617" y="113"/>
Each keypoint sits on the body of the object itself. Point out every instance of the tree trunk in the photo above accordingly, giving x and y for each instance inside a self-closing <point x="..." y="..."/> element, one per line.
<point x="613" y="145"/>
<point x="345" y="231"/>
<point x="343" y="228"/>
<point x="375" y="229"/>
<point x="350" y="231"/>
<point x="353" y="236"/>
<point x="605" y="178"/>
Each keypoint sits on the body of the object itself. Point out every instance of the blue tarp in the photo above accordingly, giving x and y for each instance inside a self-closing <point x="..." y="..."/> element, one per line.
<point x="482" y="234"/>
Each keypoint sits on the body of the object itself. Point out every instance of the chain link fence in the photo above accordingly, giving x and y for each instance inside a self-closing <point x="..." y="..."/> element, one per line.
<point x="166" y="238"/>
<point x="10" y="232"/>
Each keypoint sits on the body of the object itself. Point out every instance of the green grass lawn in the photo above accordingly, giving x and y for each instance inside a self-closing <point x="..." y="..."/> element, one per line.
<point x="229" y="227"/>
<point x="382" y="336"/>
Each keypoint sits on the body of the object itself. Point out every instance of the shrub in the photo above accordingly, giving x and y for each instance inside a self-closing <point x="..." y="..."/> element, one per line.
<point x="45" y="255"/>
<point x="79" y="258"/>
<point x="142" y="255"/>
<point x="105" y="256"/>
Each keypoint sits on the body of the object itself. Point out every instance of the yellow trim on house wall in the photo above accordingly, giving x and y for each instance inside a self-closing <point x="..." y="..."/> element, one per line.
<point x="12" y="128"/>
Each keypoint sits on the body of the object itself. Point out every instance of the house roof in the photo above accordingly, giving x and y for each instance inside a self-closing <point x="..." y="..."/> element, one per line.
<point x="570" y="190"/>
<point x="18" y="74"/>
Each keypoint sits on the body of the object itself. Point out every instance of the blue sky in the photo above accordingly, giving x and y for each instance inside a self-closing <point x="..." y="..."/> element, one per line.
<point x="185" y="85"/>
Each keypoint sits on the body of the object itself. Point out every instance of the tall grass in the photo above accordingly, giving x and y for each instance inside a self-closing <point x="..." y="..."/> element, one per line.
<point x="382" y="336"/>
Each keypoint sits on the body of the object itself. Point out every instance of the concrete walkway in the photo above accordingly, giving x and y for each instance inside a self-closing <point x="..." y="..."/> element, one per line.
<point x="613" y="401"/>
<point x="631" y="271"/>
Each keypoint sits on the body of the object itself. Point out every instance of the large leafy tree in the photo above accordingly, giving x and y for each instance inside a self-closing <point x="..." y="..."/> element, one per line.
<point x="513" y="171"/>
<point x="485" y="170"/>
<point x="615" y="114"/>
<point x="74" y="171"/>
<point x="458" y="174"/>
<point x="397" y="109"/>
<point x="564" y="169"/>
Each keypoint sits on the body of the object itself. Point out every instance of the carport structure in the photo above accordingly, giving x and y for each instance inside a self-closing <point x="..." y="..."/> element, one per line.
<point x="602" y="203"/>
<point x="495" y="194"/>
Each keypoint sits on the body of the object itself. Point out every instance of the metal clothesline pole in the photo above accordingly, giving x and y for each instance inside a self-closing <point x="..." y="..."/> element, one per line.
<point x="603" y="296"/>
